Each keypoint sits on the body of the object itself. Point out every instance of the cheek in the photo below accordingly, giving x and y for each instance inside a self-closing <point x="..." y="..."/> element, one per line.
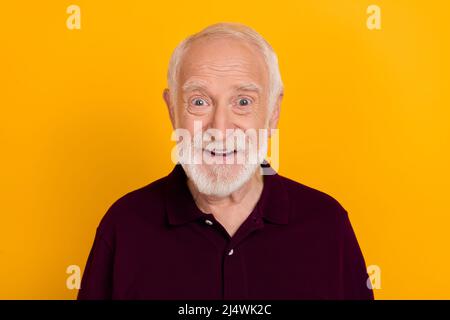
<point x="185" y="120"/>
<point x="253" y="121"/>
<point x="192" y="124"/>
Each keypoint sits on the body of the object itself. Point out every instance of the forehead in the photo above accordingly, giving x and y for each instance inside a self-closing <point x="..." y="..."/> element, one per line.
<point x="223" y="59"/>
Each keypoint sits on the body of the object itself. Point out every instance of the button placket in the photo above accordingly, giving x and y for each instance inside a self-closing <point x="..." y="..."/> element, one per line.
<point x="234" y="276"/>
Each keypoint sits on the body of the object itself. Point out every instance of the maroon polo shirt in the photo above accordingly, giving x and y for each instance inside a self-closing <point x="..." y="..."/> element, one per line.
<point x="154" y="243"/>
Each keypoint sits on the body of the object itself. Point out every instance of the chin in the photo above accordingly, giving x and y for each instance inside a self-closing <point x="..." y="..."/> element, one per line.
<point x="222" y="172"/>
<point x="219" y="179"/>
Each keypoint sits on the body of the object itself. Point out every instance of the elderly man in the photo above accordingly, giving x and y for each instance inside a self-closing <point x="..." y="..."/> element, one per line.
<point x="220" y="228"/>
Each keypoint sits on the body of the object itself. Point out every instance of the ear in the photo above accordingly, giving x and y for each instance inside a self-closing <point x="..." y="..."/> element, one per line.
<point x="274" y="117"/>
<point x="166" y="97"/>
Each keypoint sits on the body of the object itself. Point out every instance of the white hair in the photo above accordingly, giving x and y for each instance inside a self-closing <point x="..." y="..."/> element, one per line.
<point x="238" y="31"/>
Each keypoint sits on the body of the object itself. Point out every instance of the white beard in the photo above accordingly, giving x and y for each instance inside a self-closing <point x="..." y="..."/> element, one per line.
<point x="220" y="179"/>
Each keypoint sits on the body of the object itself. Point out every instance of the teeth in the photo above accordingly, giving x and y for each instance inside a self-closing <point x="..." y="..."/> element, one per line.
<point x="220" y="152"/>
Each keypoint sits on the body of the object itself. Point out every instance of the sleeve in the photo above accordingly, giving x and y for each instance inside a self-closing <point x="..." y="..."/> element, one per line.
<point x="96" y="283"/>
<point x="356" y="286"/>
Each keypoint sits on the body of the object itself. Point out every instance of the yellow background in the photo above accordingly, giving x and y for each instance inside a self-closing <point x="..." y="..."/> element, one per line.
<point x="365" y="118"/>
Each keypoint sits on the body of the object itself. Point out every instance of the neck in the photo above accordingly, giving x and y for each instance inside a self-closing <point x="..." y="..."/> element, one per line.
<point x="234" y="208"/>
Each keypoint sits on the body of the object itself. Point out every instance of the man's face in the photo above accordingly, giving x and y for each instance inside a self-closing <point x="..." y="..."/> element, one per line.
<point x="208" y="87"/>
<point x="224" y="84"/>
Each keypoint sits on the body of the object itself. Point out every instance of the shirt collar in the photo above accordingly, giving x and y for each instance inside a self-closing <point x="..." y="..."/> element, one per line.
<point x="273" y="204"/>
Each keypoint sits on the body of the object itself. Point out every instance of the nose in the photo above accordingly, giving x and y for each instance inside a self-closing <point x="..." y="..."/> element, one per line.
<point x="221" y="120"/>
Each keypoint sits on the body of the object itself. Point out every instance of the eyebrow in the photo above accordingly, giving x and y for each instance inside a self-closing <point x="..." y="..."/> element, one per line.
<point x="193" y="85"/>
<point x="248" y="86"/>
<point x="198" y="85"/>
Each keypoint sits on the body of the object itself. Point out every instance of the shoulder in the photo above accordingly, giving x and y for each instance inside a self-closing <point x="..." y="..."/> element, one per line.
<point x="134" y="205"/>
<point x="317" y="212"/>
<point x="308" y="203"/>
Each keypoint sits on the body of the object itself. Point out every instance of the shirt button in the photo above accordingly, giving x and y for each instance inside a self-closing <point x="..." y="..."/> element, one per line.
<point x="230" y="252"/>
<point x="209" y="222"/>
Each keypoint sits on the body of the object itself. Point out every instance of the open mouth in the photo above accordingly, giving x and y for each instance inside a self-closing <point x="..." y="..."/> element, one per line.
<point x="221" y="153"/>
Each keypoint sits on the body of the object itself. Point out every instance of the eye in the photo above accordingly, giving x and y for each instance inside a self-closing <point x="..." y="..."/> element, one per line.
<point x="243" y="102"/>
<point x="199" y="102"/>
